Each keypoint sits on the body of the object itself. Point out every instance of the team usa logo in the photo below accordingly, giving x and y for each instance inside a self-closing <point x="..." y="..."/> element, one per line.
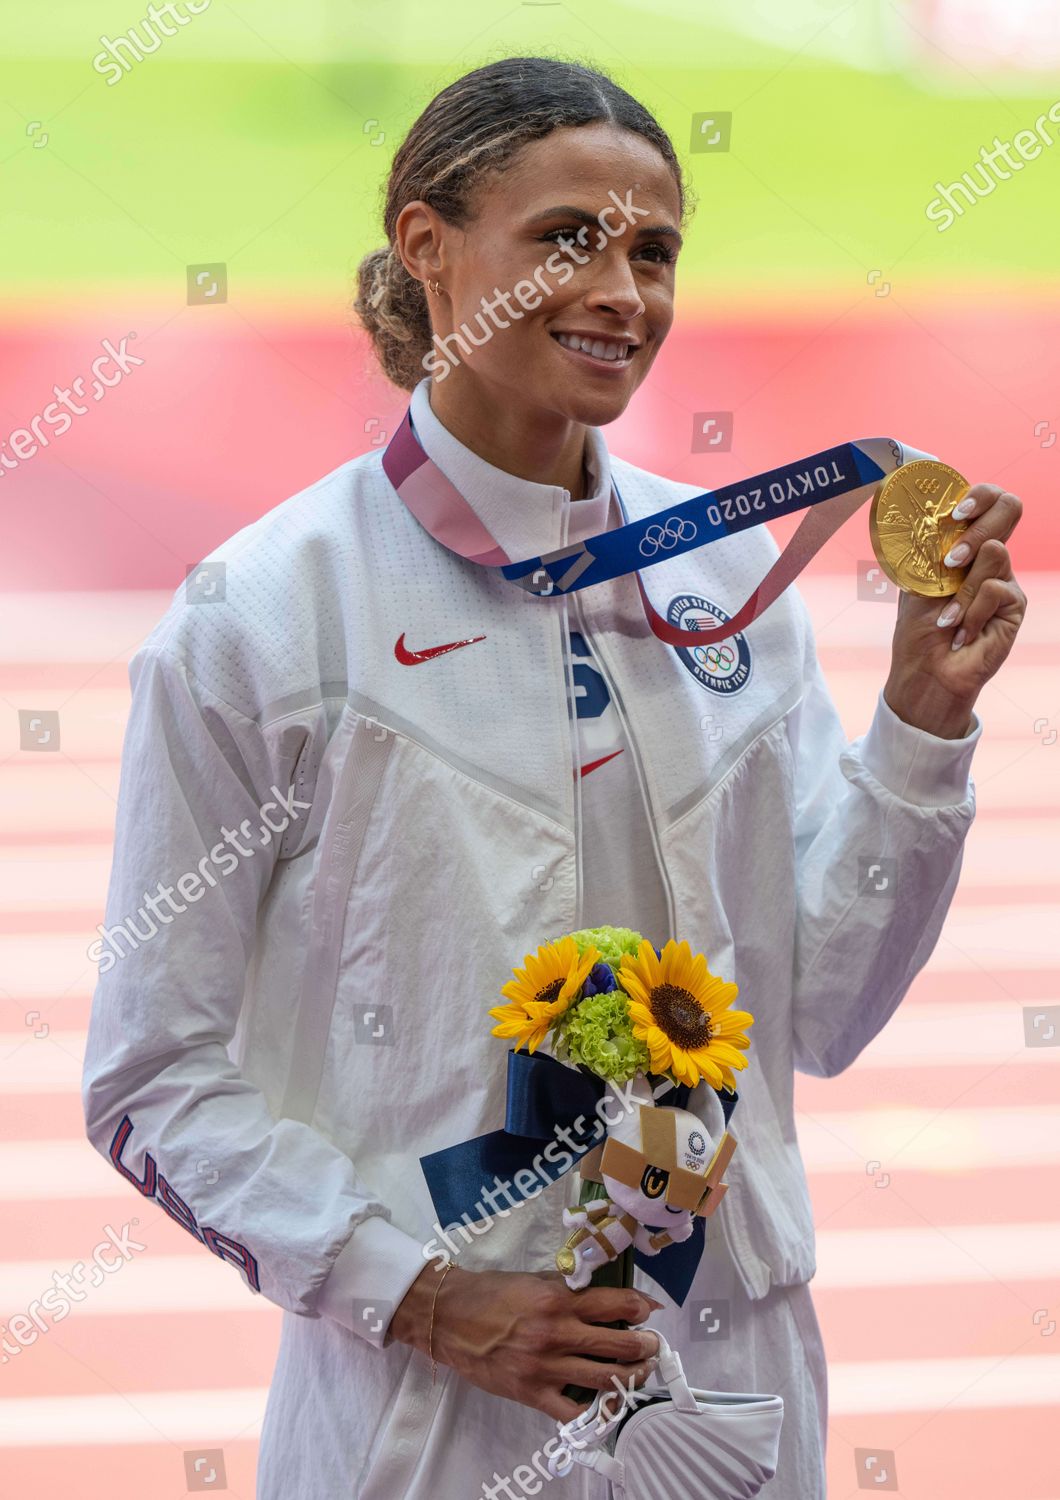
<point x="725" y="666"/>
<point x="154" y="1185"/>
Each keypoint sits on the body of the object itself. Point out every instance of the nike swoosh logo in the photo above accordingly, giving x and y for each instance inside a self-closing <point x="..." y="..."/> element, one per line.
<point x="409" y="658"/>
<point x="593" y="764"/>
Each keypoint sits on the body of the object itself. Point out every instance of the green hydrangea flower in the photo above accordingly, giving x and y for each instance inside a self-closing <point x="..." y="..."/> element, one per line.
<point x="597" y="1033"/>
<point x="611" y="942"/>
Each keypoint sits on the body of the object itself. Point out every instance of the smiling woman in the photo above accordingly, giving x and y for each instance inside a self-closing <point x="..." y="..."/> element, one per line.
<point x="472" y="214"/>
<point x="478" y="766"/>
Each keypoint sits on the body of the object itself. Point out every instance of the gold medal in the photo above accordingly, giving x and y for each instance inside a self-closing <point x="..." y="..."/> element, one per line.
<point x="912" y="530"/>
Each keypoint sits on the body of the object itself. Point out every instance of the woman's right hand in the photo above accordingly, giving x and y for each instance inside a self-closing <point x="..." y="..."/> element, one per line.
<point x="526" y="1336"/>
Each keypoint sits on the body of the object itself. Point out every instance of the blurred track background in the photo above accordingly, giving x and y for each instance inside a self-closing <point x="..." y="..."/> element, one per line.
<point x="817" y="303"/>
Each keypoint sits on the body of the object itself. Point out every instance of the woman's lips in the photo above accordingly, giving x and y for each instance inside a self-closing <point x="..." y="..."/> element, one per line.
<point x="594" y="362"/>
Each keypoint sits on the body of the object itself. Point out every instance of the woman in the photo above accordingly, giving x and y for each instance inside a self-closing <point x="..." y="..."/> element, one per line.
<point x="378" y="773"/>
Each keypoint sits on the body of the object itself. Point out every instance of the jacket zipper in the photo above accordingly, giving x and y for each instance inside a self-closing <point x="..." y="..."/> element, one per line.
<point x="574" y="738"/>
<point x="671" y="910"/>
<point x="575" y="758"/>
<point x="732" y="1235"/>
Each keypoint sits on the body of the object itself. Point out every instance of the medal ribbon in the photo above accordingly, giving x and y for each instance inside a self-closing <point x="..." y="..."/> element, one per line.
<point x="832" y="485"/>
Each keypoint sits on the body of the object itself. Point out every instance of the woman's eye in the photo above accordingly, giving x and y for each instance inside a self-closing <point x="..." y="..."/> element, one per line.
<point x="665" y="255"/>
<point x="578" y="233"/>
<point x="586" y="239"/>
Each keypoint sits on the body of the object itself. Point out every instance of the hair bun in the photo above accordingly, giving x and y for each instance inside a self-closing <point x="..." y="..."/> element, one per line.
<point x="373" y="276"/>
<point x="392" y="308"/>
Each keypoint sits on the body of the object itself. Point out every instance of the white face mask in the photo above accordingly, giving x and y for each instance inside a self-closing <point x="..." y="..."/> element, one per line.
<point x="716" y="1445"/>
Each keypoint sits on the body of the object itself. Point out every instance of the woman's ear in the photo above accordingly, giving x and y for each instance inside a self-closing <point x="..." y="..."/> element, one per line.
<point x="419" y="233"/>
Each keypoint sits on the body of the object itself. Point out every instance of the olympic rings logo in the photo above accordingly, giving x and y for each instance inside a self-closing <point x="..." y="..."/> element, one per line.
<point x="661" y="538"/>
<point x="715" y="658"/>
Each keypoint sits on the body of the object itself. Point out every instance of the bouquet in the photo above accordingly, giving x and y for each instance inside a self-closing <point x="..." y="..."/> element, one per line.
<point x="612" y="1003"/>
<point x="607" y="1002"/>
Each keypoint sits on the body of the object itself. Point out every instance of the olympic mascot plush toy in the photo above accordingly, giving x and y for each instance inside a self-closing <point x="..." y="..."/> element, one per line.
<point x="660" y="1169"/>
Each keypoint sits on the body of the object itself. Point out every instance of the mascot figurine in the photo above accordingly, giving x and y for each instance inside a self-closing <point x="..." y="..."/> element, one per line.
<point x="660" y="1169"/>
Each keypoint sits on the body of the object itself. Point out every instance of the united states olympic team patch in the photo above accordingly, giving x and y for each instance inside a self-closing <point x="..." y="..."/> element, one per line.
<point x="725" y="666"/>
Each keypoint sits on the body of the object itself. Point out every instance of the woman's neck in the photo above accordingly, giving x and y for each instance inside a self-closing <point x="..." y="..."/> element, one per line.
<point x="540" y="447"/>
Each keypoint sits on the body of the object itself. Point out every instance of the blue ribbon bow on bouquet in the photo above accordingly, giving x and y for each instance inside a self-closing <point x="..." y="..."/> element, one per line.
<point x="551" y="1107"/>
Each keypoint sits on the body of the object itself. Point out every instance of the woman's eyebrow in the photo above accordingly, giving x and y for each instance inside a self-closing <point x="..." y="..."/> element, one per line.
<point x="568" y="211"/>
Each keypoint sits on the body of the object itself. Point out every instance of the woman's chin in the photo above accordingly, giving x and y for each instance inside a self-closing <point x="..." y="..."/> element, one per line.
<point x="578" y="403"/>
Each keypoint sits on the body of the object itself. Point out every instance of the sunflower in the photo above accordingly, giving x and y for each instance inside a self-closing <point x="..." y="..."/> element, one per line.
<point x="541" y="992"/>
<point x="680" y="1010"/>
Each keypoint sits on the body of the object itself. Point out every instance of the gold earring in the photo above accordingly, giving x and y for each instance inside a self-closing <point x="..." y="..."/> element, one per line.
<point x="434" y="287"/>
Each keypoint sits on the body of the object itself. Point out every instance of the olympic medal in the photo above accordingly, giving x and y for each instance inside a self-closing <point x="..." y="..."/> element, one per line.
<point x="912" y="530"/>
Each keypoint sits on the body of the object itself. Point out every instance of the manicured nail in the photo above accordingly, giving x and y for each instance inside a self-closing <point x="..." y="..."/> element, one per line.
<point x="965" y="508"/>
<point x="949" y="614"/>
<point x="958" y="641"/>
<point x="956" y="555"/>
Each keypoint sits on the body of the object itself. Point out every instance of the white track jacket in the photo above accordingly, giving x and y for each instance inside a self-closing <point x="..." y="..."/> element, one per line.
<point x="328" y="858"/>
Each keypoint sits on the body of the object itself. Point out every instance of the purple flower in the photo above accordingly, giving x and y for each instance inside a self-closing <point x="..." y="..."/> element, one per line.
<point x="600" y="980"/>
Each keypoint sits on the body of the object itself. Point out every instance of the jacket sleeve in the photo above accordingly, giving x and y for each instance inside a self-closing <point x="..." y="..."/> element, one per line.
<point x="203" y="789"/>
<point x="880" y="825"/>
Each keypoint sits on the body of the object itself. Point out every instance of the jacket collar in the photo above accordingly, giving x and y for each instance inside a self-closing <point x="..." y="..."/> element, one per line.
<point x="526" y="518"/>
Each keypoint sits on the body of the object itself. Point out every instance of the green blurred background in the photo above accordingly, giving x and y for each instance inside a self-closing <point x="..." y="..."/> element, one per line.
<point x="249" y="136"/>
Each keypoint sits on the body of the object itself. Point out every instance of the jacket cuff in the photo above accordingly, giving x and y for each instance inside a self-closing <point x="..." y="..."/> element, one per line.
<point x="371" y="1275"/>
<point x="917" y="766"/>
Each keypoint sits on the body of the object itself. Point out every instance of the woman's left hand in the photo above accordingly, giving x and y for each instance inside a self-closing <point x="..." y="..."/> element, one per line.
<point x="937" y="671"/>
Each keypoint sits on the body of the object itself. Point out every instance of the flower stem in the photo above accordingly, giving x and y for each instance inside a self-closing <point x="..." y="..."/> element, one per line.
<point x="617" y="1272"/>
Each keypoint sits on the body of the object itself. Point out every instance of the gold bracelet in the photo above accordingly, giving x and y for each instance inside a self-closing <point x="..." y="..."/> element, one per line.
<point x="430" y="1331"/>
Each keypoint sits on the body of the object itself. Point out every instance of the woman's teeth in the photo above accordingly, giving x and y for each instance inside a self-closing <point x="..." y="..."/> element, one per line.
<point x="598" y="348"/>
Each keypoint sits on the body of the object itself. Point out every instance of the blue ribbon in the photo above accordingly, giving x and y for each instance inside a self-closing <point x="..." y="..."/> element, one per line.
<point x="697" y="521"/>
<point x="551" y="1108"/>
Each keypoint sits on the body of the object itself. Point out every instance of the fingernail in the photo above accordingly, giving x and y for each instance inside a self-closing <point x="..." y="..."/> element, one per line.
<point x="949" y="614"/>
<point x="956" y="555"/>
<point x="965" y="508"/>
<point x="958" y="641"/>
